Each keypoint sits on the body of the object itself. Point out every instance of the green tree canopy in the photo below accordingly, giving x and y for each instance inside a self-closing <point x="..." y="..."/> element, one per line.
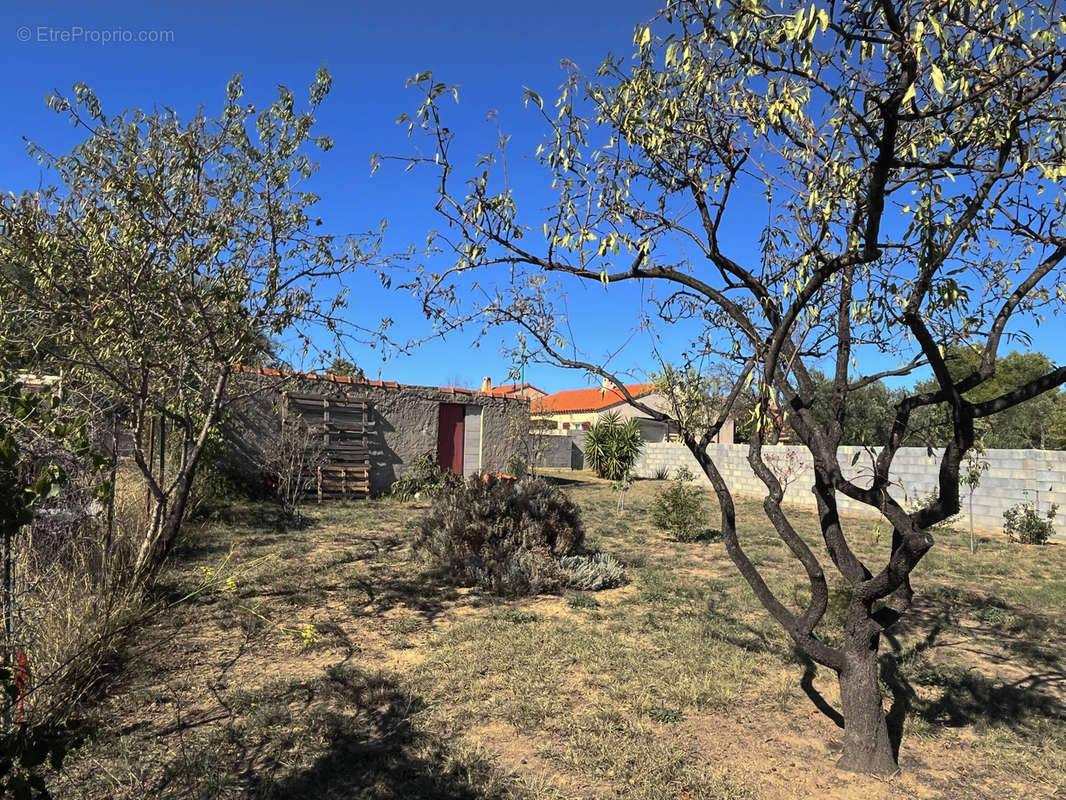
<point x="170" y="251"/>
<point x="344" y="367"/>
<point x="869" y="413"/>
<point x="1034" y="424"/>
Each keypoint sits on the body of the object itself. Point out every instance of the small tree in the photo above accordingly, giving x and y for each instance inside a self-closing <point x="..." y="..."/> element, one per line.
<point x="292" y="465"/>
<point x="975" y="467"/>
<point x="1023" y="523"/>
<point x="171" y="252"/>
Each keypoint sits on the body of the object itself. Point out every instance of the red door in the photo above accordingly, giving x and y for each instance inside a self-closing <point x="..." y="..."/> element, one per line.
<point x="450" y="437"/>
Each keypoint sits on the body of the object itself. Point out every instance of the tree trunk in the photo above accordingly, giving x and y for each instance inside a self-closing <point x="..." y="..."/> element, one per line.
<point x="151" y="536"/>
<point x="165" y="526"/>
<point x="867" y="746"/>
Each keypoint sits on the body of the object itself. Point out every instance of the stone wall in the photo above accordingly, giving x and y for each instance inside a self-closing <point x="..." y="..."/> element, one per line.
<point x="1014" y="476"/>
<point x="403" y="422"/>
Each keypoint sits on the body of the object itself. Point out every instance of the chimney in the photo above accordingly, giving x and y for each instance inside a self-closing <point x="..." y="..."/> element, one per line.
<point x="486" y="385"/>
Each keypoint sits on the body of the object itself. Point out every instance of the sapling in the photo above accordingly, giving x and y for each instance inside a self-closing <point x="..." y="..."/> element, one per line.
<point x="975" y="467"/>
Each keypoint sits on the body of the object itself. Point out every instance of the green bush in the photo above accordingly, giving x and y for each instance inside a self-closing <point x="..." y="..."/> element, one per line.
<point x="681" y="510"/>
<point x="1023" y="523"/>
<point x="426" y="479"/>
<point x="502" y="536"/>
<point x="612" y="446"/>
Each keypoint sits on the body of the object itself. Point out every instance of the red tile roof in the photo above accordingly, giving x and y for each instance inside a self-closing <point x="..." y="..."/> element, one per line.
<point x="513" y="388"/>
<point x="329" y="376"/>
<point x="596" y="399"/>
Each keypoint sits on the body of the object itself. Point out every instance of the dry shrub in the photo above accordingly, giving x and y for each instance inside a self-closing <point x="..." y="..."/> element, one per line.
<point x="502" y="536"/>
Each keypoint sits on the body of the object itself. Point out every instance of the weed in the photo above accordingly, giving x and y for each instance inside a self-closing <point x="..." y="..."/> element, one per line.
<point x="405" y="625"/>
<point x="666" y="715"/>
<point x="513" y="615"/>
<point x="582" y="600"/>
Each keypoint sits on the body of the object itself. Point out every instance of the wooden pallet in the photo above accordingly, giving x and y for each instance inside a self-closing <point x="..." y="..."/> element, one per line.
<point x="345" y="426"/>
<point x="335" y="483"/>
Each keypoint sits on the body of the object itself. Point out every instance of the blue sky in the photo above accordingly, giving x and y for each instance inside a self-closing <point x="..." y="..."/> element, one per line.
<point x="491" y="49"/>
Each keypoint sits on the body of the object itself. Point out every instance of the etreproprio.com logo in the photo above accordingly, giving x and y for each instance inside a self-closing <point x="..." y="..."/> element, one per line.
<point x="78" y="34"/>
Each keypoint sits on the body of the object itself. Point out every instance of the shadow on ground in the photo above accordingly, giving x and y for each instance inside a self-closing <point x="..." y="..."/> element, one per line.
<point x="953" y="696"/>
<point x="349" y="734"/>
<point x="1032" y="702"/>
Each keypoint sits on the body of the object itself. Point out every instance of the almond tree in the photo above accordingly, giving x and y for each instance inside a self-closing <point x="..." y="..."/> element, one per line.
<point x="170" y="252"/>
<point x="908" y="156"/>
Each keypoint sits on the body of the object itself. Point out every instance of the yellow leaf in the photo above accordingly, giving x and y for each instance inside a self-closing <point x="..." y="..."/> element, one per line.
<point x="938" y="78"/>
<point x="911" y="90"/>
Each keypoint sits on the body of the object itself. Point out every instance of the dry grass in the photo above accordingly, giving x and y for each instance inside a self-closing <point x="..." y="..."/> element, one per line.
<point x="73" y="615"/>
<point x="674" y="686"/>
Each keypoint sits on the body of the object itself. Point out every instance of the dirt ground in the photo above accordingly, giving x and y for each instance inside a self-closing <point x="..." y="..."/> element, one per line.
<point x="322" y="661"/>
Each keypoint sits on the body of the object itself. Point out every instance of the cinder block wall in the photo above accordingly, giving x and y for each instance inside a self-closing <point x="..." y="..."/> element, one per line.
<point x="404" y="422"/>
<point x="1014" y="476"/>
<point x="558" y="450"/>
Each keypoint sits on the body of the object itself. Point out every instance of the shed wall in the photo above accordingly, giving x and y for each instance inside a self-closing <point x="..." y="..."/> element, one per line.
<point x="403" y="423"/>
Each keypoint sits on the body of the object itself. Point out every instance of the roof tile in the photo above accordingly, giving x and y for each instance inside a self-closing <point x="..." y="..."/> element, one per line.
<point x="595" y="399"/>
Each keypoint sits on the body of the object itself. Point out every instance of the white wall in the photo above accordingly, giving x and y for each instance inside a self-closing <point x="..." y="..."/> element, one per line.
<point x="472" y="440"/>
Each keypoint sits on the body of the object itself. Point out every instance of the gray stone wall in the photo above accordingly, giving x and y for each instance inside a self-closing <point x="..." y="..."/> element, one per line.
<point x="1014" y="476"/>
<point x="404" y="422"/>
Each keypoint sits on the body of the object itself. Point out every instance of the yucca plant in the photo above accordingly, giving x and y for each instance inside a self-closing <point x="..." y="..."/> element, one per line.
<point x="612" y="446"/>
